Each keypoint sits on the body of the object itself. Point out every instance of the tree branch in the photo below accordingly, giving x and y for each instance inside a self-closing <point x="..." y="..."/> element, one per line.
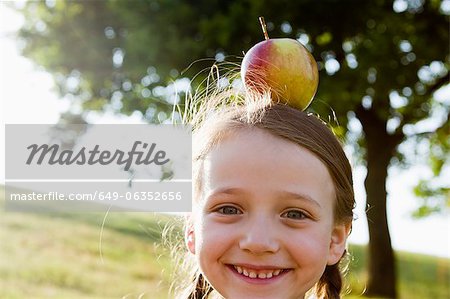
<point x="439" y="83"/>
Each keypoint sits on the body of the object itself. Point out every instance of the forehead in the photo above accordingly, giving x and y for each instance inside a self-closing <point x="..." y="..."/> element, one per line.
<point x="259" y="162"/>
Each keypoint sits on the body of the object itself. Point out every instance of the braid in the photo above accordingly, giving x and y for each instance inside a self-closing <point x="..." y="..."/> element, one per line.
<point x="202" y="288"/>
<point x="330" y="284"/>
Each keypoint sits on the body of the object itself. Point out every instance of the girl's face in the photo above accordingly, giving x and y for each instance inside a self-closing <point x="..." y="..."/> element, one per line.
<point x="263" y="227"/>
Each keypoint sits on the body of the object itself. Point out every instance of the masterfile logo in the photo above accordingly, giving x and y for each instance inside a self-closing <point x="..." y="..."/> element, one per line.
<point x="94" y="156"/>
<point x="134" y="167"/>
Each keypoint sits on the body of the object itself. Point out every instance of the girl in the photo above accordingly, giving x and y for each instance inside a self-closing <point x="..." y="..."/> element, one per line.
<point x="273" y="201"/>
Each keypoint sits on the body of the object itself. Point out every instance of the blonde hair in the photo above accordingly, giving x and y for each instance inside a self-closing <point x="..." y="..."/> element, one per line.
<point x="225" y="112"/>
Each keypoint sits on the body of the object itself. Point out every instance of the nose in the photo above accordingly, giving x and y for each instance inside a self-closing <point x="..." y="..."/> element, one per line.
<point x="259" y="236"/>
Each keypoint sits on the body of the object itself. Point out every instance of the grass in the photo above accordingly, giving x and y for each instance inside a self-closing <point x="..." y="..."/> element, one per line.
<point x="419" y="276"/>
<point x="57" y="255"/>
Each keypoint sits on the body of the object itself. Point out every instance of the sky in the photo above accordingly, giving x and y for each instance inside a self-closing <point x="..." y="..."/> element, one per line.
<point x="27" y="96"/>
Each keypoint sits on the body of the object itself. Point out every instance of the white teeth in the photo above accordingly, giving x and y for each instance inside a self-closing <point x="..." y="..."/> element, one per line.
<point x="262" y="275"/>
<point x="253" y="274"/>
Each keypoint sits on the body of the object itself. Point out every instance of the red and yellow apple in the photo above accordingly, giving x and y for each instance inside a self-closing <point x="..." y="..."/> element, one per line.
<point x="283" y="67"/>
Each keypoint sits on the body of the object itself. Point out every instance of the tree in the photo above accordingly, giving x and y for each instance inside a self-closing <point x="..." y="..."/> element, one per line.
<point x="380" y="63"/>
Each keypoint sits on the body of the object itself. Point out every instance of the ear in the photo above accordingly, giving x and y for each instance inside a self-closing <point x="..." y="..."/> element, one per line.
<point x="190" y="240"/>
<point x="338" y="242"/>
<point x="189" y="236"/>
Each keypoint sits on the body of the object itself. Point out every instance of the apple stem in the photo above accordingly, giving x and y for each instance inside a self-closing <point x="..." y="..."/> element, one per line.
<point x="264" y="27"/>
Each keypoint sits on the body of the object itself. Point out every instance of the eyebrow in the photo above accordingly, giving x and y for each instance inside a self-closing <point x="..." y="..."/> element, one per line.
<point x="228" y="190"/>
<point x="283" y="194"/>
<point x="300" y="196"/>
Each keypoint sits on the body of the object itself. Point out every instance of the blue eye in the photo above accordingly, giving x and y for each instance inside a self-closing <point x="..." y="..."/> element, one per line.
<point x="294" y="214"/>
<point x="229" y="210"/>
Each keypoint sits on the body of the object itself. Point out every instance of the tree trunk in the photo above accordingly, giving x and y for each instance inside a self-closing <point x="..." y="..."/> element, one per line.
<point x="380" y="147"/>
<point x="382" y="276"/>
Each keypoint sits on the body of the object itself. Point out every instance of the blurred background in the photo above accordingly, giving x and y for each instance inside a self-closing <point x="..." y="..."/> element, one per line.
<point x="384" y="86"/>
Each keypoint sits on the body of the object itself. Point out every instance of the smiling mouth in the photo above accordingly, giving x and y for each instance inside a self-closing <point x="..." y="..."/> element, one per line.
<point x="258" y="273"/>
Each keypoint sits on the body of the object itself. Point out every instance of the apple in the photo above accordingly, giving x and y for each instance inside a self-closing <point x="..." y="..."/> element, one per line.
<point x="283" y="67"/>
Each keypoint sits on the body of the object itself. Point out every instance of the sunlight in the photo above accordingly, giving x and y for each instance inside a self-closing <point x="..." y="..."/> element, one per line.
<point x="28" y="96"/>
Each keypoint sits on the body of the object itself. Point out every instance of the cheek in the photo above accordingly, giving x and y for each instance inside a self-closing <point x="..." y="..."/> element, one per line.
<point x="213" y="246"/>
<point x="309" y="247"/>
<point x="211" y="239"/>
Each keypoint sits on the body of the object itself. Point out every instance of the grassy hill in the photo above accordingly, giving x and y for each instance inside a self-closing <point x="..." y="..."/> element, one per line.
<point x="69" y="255"/>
